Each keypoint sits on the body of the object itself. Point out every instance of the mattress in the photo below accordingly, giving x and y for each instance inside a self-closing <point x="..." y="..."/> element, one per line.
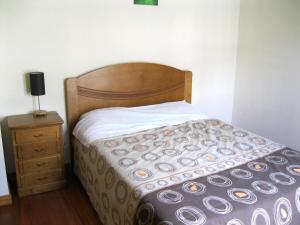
<point x="197" y="172"/>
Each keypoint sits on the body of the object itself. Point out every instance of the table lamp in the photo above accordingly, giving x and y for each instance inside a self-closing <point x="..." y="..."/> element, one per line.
<point x="37" y="88"/>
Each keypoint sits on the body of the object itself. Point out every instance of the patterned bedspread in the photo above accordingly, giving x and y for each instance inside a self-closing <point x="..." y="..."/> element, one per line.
<point x="199" y="172"/>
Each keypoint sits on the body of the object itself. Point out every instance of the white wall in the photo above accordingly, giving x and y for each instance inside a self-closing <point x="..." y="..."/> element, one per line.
<point x="69" y="37"/>
<point x="267" y="97"/>
<point x="3" y="180"/>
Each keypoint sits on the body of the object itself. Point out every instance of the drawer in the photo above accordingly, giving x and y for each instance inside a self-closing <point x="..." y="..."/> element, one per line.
<point x="37" y="150"/>
<point x="37" y="165"/>
<point x="37" y="134"/>
<point x="41" y="178"/>
<point x="41" y="188"/>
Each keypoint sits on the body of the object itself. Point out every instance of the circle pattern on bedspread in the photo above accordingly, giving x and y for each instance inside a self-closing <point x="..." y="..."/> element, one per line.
<point x="136" y="194"/>
<point x="168" y="133"/>
<point x="169" y="197"/>
<point x="192" y="148"/>
<point x="210" y="157"/>
<point x="282" y="212"/>
<point x="184" y="161"/>
<point x="162" y="144"/>
<point x="235" y="222"/>
<point x="226" y="151"/>
<point x="101" y="165"/>
<point x="198" y="125"/>
<point x="243" y="146"/>
<point x="213" y="122"/>
<point x="111" y="143"/>
<point x="145" y="214"/>
<point x="259" y="212"/>
<point x="175" y="179"/>
<point x="140" y="174"/>
<point x="150" y="136"/>
<point x="119" y="152"/>
<point x="181" y="139"/>
<point x="193" y="187"/>
<point x="225" y="138"/>
<point x="140" y="147"/>
<point x="127" y="162"/>
<point x="230" y="162"/>
<point x="191" y="215"/>
<point x="209" y="143"/>
<point x="291" y="153"/>
<point x="297" y="199"/>
<point x="212" y="131"/>
<point x="227" y="127"/>
<point x="121" y="191"/>
<point x="110" y="178"/>
<point x="258" y="166"/>
<point x="210" y="169"/>
<point x="241" y="174"/>
<point x="242" y="195"/>
<point x="240" y="133"/>
<point x="150" y="156"/>
<point x="171" y="152"/>
<point x="90" y="175"/>
<point x="184" y="129"/>
<point x="219" y="181"/>
<point x="149" y="186"/>
<point x="282" y="178"/>
<point x="165" y="167"/>
<point x="264" y="187"/>
<point x="217" y="205"/>
<point x="130" y="140"/>
<point x="258" y="140"/>
<point x="162" y="182"/>
<point x="293" y="169"/>
<point x="187" y="175"/>
<point x="278" y="160"/>
<point x="195" y="136"/>
<point x="93" y="154"/>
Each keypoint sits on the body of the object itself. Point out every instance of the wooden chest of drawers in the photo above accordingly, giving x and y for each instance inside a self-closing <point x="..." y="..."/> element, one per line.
<point x="38" y="152"/>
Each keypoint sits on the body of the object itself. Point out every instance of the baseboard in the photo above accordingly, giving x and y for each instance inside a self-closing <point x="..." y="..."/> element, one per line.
<point x="5" y="200"/>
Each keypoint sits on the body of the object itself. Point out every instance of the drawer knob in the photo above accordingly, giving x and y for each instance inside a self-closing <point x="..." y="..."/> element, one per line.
<point x="39" y="149"/>
<point x="42" y="178"/>
<point x="40" y="164"/>
<point x="38" y="135"/>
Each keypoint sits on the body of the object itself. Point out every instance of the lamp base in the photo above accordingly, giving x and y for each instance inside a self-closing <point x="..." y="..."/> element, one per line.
<point x="39" y="113"/>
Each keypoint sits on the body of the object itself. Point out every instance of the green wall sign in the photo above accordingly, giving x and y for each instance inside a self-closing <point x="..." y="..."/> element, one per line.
<point x="146" y="2"/>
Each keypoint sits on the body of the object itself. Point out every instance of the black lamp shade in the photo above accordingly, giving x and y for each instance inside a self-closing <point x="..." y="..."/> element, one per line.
<point x="37" y="83"/>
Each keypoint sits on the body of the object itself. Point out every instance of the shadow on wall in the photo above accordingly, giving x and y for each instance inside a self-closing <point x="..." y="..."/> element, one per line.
<point x="7" y="146"/>
<point x="27" y="83"/>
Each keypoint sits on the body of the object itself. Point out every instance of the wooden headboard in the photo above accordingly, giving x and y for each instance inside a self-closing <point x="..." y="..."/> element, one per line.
<point x="129" y="84"/>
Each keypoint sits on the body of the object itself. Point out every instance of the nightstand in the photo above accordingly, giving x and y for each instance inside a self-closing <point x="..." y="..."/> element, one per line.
<point x="38" y="152"/>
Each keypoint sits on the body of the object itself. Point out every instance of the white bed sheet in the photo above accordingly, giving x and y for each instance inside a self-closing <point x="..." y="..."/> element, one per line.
<point x="113" y="122"/>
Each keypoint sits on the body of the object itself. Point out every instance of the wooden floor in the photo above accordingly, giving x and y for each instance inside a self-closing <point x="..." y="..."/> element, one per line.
<point x="67" y="206"/>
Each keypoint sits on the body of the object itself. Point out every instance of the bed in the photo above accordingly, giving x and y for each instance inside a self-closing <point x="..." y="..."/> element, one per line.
<point x="196" y="171"/>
